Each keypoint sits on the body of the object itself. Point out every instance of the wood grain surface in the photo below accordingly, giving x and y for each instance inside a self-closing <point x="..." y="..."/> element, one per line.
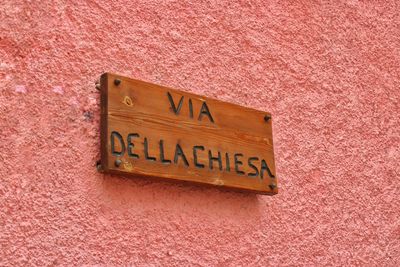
<point x="156" y="131"/>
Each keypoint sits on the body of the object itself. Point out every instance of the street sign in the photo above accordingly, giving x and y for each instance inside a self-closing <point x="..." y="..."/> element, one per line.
<point x="155" y="131"/>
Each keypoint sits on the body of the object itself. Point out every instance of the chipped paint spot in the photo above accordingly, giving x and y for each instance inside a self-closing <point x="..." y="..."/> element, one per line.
<point x="73" y="101"/>
<point x="4" y="66"/>
<point x="58" y="90"/>
<point x="92" y="101"/>
<point x="20" y="89"/>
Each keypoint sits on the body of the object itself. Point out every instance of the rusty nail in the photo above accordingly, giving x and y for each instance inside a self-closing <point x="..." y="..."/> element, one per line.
<point x="267" y="118"/>
<point x="272" y="186"/>
<point x="117" y="162"/>
<point x="117" y="82"/>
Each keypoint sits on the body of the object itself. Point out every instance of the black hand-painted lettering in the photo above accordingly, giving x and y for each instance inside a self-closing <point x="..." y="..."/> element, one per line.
<point x="228" y="166"/>
<point x="211" y="159"/>
<point x="132" y="145"/>
<point x="179" y="153"/>
<point x="146" y="151"/>
<point x="195" y="159"/>
<point x="205" y="111"/>
<point x="190" y="108"/>
<point x="264" y="167"/>
<point x="251" y="165"/>
<point x="238" y="163"/>
<point x="162" y="155"/>
<point x="115" y="134"/>
<point x="174" y="108"/>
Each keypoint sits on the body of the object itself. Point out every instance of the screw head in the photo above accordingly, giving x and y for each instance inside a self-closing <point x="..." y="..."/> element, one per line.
<point x="267" y="118"/>
<point x="117" y="162"/>
<point x="98" y="166"/>
<point x="272" y="186"/>
<point x="117" y="82"/>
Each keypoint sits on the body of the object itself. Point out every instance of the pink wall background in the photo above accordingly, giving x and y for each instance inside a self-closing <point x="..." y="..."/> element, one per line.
<point x="329" y="73"/>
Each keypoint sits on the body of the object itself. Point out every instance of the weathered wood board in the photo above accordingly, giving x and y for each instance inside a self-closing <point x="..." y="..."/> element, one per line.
<point x="156" y="131"/>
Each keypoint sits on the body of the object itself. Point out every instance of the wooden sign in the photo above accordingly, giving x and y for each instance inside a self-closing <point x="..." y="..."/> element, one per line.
<point x="152" y="130"/>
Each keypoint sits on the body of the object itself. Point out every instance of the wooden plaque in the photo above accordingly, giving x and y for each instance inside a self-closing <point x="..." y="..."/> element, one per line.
<point x="156" y="131"/>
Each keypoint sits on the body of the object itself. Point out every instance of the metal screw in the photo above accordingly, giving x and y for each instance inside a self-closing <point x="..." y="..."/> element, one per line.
<point x="98" y="166"/>
<point x="117" y="162"/>
<point x="267" y="118"/>
<point x="97" y="84"/>
<point x="117" y="82"/>
<point x="272" y="186"/>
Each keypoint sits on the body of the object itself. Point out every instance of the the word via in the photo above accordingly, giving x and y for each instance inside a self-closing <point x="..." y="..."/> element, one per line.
<point x="204" y="110"/>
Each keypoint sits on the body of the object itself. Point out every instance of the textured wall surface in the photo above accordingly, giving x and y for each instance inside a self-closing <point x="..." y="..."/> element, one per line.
<point x="329" y="73"/>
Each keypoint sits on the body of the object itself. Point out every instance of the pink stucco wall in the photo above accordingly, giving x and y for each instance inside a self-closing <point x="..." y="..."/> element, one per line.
<point x="329" y="73"/>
